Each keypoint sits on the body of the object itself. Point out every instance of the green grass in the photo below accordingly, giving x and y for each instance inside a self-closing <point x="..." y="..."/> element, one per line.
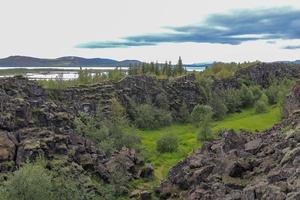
<point x="187" y="136"/>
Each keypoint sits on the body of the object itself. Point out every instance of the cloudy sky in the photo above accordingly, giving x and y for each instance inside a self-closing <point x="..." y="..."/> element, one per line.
<point x="156" y="30"/>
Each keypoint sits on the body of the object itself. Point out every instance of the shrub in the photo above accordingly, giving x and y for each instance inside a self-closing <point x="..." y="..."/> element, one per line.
<point x="31" y="182"/>
<point x="184" y="114"/>
<point x="201" y="113"/>
<point x="232" y="100"/>
<point x="34" y="182"/>
<point x="167" y="143"/>
<point x="149" y="117"/>
<point x="162" y="101"/>
<point x="205" y="132"/>
<point x="218" y="106"/>
<point x="261" y="105"/>
<point x="256" y="91"/>
<point x="246" y="96"/>
<point x="272" y="94"/>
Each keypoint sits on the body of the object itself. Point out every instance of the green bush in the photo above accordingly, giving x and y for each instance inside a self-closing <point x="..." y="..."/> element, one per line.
<point x="31" y="182"/>
<point x="167" y="143"/>
<point x="261" y="105"/>
<point x="256" y="91"/>
<point x="218" y="106"/>
<point x="184" y="114"/>
<point x="149" y="117"/>
<point x="34" y="182"/>
<point x="232" y="100"/>
<point x="246" y="96"/>
<point x="201" y="113"/>
<point x="205" y="133"/>
<point x="162" y="102"/>
<point x="272" y="94"/>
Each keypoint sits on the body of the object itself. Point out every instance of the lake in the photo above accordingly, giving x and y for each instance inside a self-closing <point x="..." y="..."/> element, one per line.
<point x="66" y="73"/>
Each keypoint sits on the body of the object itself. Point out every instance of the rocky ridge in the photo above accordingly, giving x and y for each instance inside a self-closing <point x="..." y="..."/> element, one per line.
<point x="31" y="126"/>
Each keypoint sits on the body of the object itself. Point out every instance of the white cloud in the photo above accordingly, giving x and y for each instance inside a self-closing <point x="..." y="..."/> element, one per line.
<point x="52" y="28"/>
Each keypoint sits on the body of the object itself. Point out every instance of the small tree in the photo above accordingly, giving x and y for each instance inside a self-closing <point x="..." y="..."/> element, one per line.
<point x="201" y="113"/>
<point x="162" y="101"/>
<point x="31" y="182"/>
<point x="256" y="91"/>
<point x="261" y="105"/>
<point x="232" y="100"/>
<point x="246" y="96"/>
<point x="205" y="133"/>
<point x="150" y="117"/>
<point x="184" y="114"/>
<point x="218" y="106"/>
<point x="167" y="143"/>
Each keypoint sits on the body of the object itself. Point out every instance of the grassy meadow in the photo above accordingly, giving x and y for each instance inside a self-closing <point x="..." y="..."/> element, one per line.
<point x="187" y="136"/>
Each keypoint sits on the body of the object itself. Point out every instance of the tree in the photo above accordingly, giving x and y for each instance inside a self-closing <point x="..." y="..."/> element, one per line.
<point x="201" y="113"/>
<point x="162" y="101"/>
<point x="232" y="100"/>
<point x="256" y="91"/>
<point x="261" y="105"/>
<point x="149" y="117"/>
<point x="184" y="114"/>
<point x="246" y="96"/>
<point x="205" y="133"/>
<point x="167" y="143"/>
<point x="218" y="106"/>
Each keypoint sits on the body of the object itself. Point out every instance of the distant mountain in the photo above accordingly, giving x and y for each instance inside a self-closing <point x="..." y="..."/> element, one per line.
<point x="70" y="61"/>
<point x="285" y="61"/>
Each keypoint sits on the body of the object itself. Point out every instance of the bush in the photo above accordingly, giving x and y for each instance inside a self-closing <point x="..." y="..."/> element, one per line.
<point x="184" y="114"/>
<point x="31" y="182"/>
<point x="232" y="100"/>
<point x="205" y="132"/>
<point x="149" y="117"/>
<point x="201" y="113"/>
<point x="218" y="106"/>
<point x="167" y="143"/>
<point x="34" y="182"/>
<point x="162" y="102"/>
<point x="261" y="105"/>
<point x="256" y="91"/>
<point x="246" y="96"/>
<point x="272" y="94"/>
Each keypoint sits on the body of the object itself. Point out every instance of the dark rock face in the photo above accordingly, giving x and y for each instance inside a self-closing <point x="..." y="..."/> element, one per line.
<point x="139" y="89"/>
<point x="292" y="102"/>
<point x="31" y="125"/>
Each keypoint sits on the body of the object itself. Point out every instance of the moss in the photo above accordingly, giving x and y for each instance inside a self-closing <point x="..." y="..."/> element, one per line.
<point x="31" y="144"/>
<point x="237" y="182"/>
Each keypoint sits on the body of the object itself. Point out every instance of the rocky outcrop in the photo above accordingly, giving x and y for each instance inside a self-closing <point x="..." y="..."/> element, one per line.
<point x="33" y="126"/>
<point x="292" y="102"/>
<point x="261" y="74"/>
<point x="243" y="166"/>
<point x="137" y="89"/>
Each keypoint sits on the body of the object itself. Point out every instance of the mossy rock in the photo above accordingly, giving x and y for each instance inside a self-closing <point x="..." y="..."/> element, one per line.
<point x="290" y="155"/>
<point x="237" y="183"/>
<point x="31" y="144"/>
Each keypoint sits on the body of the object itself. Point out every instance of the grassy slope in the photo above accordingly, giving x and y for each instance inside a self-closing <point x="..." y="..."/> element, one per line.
<point x="186" y="133"/>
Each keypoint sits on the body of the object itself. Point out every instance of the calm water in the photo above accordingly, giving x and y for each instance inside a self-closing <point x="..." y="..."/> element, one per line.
<point x="69" y="75"/>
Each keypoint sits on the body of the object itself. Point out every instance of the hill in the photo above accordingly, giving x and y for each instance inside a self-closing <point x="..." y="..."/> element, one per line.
<point x="69" y="61"/>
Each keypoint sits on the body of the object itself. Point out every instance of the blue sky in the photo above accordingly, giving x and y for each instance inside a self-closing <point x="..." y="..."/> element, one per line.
<point x="198" y="31"/>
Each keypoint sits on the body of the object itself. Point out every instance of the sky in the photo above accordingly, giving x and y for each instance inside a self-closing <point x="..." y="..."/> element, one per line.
<point x="157" y="30"/>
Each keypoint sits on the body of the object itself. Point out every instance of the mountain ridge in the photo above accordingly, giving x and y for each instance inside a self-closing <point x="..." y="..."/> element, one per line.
<point x="66" y="61"/>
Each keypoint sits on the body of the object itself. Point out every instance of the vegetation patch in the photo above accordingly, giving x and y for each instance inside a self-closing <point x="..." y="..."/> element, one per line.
<point x="187" y="136"/>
